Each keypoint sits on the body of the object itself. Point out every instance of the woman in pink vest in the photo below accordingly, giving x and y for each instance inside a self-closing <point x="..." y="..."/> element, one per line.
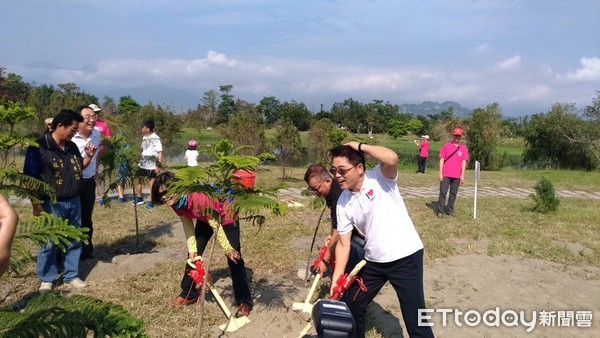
<point x="423" y="153"/>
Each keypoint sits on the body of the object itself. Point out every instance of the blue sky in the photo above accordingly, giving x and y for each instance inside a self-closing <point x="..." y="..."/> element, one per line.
<point x="525" y="55"/>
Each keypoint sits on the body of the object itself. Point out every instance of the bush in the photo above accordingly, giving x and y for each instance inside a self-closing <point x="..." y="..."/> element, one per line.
<point x="545" y="198"/>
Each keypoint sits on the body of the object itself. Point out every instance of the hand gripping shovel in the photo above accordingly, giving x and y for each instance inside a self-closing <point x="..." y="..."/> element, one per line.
<point x="233" y="323"/>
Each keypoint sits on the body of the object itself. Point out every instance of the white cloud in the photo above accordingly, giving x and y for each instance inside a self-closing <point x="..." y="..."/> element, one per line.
<point x="314" y="81"/>
<point x="589" y="71"/>
<point x="510" y="64"/>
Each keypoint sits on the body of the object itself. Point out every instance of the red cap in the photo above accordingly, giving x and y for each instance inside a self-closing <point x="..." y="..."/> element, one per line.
<point x="457" y="132"/>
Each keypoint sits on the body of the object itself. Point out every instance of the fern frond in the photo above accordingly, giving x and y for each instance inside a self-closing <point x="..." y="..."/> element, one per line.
<point x="51" y="315"/>
<point x="49" y="228"/>
<point x="13" y="182"/>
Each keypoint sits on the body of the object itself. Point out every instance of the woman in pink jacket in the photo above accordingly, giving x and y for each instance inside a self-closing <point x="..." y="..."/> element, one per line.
<point x="198" y="206"/>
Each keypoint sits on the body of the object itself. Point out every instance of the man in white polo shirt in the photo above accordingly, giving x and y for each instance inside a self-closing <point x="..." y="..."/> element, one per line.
<point x="371" y="202"/>
<point x="87" y="195"/>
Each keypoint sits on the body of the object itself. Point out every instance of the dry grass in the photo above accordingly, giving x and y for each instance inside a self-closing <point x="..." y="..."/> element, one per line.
<point x="503" y="227"/>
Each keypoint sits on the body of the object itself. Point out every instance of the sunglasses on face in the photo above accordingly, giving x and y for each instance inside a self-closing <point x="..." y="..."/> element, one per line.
<point x="315" y="190"/>
<point x="341" y="171"/>
<point x="90" y="117"/>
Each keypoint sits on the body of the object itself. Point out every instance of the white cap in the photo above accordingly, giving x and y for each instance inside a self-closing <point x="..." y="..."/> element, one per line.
<point x="425" y="137"/>
<point x="95" y="108"/>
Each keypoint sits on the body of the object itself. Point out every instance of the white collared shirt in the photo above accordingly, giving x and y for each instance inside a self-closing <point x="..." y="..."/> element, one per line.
<point x="95" y="138"/>
<point x="378" y="211"/>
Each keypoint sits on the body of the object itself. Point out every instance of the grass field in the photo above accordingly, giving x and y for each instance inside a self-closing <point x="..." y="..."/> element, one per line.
<point x="502" y="222"/>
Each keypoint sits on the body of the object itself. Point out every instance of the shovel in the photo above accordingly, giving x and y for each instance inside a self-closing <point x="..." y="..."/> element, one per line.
<point x="233" y="323"/>
<point x="307" y="306"/>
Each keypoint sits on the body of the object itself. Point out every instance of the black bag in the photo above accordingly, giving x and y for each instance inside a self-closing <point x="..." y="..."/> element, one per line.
<point x="332" y="318"/>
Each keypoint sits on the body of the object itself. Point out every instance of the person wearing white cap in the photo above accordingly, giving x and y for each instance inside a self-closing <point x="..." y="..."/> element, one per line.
<point x="104" y="130"/>
<point x="423" y="153"/>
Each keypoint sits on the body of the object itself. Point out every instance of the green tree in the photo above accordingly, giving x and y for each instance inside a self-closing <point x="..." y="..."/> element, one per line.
<point x="349" y="114"/>
<point x="108" y="106"/>
<point x="547" y="144"/>
<point x="39" y="99"/>
<point x="127" y="105"/>
<point x="485" y="128"/>
<point x="287" y="144"/>
<point x="385" y="112"/>
<point x="245" y="128"/>
<point x="13" y="88"/>
<point x="297" y="113"/>
<point x="545" y="198"/>
<point x="397" y="128"/>
<point x="318" y="142"/>
<point x="414" y="125"/>
<point x="270" y="108"/>
<point x="226" y="107"/>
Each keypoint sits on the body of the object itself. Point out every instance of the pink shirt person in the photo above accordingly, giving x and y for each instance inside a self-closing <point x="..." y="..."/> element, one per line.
<point x="424" y="148"/>
<point x="453" y="164"/>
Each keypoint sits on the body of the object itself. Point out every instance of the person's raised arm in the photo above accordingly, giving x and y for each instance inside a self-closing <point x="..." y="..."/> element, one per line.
<point x="387" y="158"/>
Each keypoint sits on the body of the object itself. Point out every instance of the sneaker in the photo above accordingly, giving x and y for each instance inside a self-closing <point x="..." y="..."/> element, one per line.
<point x="440" y="214"/>
<point x="121" y="200"/>
<point x="77" y="283"/>
<point x="101" y="201"/>
<point x="138" y="200"/>
<point x="45" y="287"/>
<point x="150" y="205"/>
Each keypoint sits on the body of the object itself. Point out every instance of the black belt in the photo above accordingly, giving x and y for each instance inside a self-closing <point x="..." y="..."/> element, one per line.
<point x="90" y="179"/>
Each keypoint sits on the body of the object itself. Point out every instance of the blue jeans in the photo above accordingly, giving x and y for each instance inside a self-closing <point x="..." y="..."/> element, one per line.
<point x="47" y="264"/>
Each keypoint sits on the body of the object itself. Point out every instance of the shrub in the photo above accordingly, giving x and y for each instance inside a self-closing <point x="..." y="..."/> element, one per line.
<point x="545" y="198"/>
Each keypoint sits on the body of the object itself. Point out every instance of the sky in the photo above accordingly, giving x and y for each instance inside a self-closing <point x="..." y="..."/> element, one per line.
<point x="525" y="55"/>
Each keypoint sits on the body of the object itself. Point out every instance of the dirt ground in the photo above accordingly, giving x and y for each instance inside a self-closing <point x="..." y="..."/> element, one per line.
<point x="467" y="282"/>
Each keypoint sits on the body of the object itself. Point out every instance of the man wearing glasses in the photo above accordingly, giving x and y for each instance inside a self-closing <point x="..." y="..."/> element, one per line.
<point x="88" y="134"/>
<point x="372" y="203"/>
<point x="321" y="183"/>
<point x="58" y="162"/>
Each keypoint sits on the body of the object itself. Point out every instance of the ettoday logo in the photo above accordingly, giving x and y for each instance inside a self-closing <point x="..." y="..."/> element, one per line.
<point x="509" y="318"/>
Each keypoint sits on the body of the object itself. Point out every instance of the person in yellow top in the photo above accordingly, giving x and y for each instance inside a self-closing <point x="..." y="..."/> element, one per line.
<point x="193" y="206"/>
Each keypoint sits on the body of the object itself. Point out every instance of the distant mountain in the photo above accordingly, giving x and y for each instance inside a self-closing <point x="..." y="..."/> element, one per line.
<point x="429" y="107"/>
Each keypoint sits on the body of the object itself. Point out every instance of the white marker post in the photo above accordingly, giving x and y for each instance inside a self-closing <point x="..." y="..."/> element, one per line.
<point x="477" y="169"/>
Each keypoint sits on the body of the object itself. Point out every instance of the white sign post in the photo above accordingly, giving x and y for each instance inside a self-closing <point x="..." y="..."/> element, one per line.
<point x="477" y="169"/>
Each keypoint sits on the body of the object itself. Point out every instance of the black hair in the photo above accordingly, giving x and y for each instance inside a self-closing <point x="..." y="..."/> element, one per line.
<point x="354" y="156"/>
<point x="316" y="170"/>
<point x="65" y="117"/>
<point x="148" y="124"/>
<point x="163" y="178"/>
<point x="81" y="108"/>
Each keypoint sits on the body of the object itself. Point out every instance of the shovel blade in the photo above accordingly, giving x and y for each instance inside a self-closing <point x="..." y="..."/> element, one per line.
<point x="234" y="324"/>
